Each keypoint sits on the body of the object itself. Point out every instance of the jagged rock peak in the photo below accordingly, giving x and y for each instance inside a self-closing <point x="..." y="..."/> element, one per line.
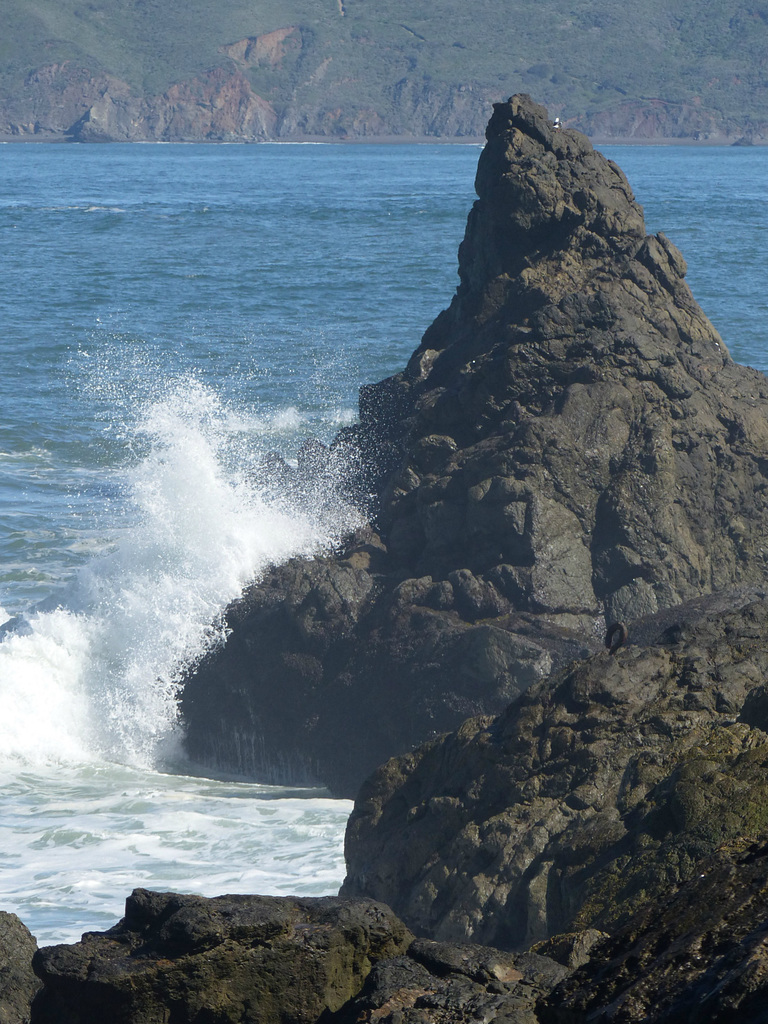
<point x="544" y="192"/>
<point x="560" y="417"/>
<point x="555" y="217"/>
<point x="570" y="446"/>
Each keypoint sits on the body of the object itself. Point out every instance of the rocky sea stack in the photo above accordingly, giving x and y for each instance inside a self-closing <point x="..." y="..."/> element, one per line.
<point x="570" y="453"/>
<point x="570" y="446"/>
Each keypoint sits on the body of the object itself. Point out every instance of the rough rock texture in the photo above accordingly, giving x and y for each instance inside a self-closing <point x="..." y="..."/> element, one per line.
<point x="439" y="983"/>
<point x="594" y="794"/>
<point x="65" y="99"/>
<point x="570" y="444"/>
<point x="18" y="983"/>
<point x="699" y="956"/>
<point x="573" y="414"/>
<point x="257" y="959"/>
<point x="233" y="958"/>
<point x="331" y="668"/>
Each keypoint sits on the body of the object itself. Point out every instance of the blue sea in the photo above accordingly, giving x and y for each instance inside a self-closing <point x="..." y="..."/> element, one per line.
<point x="168" y="314"/>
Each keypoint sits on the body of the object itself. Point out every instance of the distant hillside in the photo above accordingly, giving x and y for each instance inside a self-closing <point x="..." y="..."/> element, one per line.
<point x="264" y="69"/>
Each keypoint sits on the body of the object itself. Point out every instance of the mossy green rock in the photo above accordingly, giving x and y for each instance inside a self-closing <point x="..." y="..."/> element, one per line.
<point x="243" y="959"/>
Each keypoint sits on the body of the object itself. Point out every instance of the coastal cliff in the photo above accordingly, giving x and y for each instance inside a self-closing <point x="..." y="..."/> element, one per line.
<point x="65" y="101"/>
<point x="306" y="69"/>
<point x="571" y="445"/>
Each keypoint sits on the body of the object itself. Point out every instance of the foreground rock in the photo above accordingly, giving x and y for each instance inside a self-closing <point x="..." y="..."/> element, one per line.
<point x="232" y="958"/>
<point x="699" y="956"/>
<point x="440" y="983"/>
<point x="250" y="959"/>
<point x="570" y="445"/>
<point x="18" y="983"/>
<point x="256" y="959"/>
<point x="594" y="795"/>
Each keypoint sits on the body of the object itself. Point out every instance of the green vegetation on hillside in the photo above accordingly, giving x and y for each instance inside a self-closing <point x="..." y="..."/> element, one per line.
<point x="579" y="57"/>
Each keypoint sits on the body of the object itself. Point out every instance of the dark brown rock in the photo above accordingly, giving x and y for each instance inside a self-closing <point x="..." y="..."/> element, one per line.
<point x="589" y="400"/>
<point x="440" y="983"/>
<point x="229" y="959"/>
<point x="570" y="446"/>
<point x="596" y="793"/>
<point x="699" y="956"/>
<point x="18" y="983"/>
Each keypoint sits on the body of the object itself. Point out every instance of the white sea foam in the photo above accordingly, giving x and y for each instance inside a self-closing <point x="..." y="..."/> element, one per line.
<point x="89" y="689"/>
<point x="99" y="677"/>
<point x="77" y="840"/>
<point x="285" y="419"/>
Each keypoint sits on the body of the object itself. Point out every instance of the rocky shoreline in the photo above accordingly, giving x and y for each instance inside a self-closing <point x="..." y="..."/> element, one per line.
<point x="695" y="955"/>
<point x="542" y="666"/>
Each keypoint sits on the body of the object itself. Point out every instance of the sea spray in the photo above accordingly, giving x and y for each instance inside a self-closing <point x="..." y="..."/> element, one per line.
<point x="301" y="280"/>
<point x="90" y="678"/>
<point x="99" y="676"/>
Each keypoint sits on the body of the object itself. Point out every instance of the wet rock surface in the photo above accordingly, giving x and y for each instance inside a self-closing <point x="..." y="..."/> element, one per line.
<point x="571" y="445"/>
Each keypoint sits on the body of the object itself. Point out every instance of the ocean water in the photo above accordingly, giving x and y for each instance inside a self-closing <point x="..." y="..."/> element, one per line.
<point x="168" y="315"/>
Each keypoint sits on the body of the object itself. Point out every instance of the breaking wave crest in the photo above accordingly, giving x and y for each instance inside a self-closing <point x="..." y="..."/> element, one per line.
<point x="98" y="677"/>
